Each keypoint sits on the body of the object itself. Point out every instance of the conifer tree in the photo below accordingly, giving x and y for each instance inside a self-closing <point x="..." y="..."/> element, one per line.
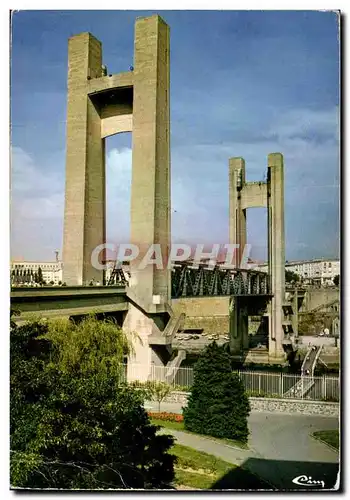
<point x="217" y="405"/>
<point x="40" y="276"/>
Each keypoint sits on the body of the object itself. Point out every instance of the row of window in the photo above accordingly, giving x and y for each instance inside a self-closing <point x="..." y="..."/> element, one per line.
<point x="309" y="267"/>
<point x="48" y="267"/>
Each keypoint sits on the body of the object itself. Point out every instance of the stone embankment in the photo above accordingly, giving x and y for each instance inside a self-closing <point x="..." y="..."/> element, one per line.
<point x="276" y="405"/>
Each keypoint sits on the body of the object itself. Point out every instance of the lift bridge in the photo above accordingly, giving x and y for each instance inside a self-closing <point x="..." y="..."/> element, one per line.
<point x="188" y="280"/>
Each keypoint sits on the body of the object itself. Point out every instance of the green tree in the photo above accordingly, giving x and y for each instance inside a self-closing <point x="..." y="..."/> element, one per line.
<point x="159" y="391"/>
<point x="291" y="276"/>
<point x="40" y="276"/>
<point x="336" y="280"/>
<point x="217" y="405"/>
<point x="74" y="422"/>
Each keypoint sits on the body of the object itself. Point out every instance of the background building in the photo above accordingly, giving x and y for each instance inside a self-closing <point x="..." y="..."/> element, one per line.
<point x="315" y="271"/>
<point x="26" y="272"/>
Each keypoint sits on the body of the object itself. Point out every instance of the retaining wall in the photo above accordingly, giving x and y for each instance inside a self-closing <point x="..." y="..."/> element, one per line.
<point x="209" y="313"/>
<point x="291" y="406"/>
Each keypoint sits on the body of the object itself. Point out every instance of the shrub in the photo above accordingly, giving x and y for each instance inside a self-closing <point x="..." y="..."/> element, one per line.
<point x="182" y="388"/>
<point x="217" y="405"/>
<point x="261" y="394"/>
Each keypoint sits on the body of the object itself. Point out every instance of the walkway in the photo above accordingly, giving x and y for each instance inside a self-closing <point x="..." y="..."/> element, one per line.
<point x="225" y="451"/>
<point x="280" y="448"/>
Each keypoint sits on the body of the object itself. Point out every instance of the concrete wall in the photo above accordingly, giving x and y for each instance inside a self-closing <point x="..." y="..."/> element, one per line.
<point x="315" y="297"/>
<point x="209" y="313"/>
<point x="330" y="355"/>
<point x="212" y="313"/>
<point x="289" y="406"/>
<point x="305" y="339"/>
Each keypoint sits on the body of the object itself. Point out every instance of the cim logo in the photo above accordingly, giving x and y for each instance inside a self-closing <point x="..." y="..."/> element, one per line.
<point x="307" y="481"/>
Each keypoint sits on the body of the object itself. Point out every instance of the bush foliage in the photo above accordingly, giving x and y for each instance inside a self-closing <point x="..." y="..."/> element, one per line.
<point x="74" y="422"/>
<point x="217" y="405"/>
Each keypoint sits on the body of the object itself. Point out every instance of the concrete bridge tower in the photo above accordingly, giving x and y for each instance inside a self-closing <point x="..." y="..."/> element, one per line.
<point x="101" y="105"/>
<point x="242" y="196"/>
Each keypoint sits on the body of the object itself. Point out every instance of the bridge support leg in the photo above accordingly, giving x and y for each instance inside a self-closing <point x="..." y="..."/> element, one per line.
<point x="84" y="219"/>
<point x="150" y="188"/>
<point x="238" y="224"/>
<point x="139" y="326"/>
<point x="151" y="336"/>
<point x="239" y="339"/>
<point x="295" y="317"/>
<point x="245" y="329"/>
<point x="276" y="250"/>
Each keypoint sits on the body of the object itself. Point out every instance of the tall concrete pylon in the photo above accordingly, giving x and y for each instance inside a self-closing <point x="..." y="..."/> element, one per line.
<point x="242" y="196"/>
<point x="100" y="106"/>
<point x="276" y="251"/>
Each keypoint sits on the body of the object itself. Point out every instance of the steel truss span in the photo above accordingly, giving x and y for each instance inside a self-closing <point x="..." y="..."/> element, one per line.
<point x="188" y="281"/>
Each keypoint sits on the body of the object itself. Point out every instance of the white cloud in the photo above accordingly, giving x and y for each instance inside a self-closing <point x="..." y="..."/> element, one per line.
<point x="306" y="122"/>
<point x="118" y="194"/>
<point x="308" y="141"/>
<point x="36" y="192"/>
<point x="119" y="166"/>
<point x="29" y="179"/>
<point x="199" y="184"/>
<point x="37" y="204"/>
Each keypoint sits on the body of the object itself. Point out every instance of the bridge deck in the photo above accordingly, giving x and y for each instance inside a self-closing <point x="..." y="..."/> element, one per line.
<point x="68" y="301"/>
<point x="186" y="281"/>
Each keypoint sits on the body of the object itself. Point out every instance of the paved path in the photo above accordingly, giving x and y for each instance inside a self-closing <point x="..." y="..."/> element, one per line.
<point x="229" y="453"/>
<point x="280" y="447"/>
<point x="286" y="450"/>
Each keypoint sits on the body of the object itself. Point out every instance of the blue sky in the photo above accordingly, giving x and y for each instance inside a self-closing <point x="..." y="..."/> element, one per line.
<point x="242" y="84"/>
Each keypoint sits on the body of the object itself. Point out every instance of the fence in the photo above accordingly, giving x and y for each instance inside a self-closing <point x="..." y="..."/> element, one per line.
<point x="264" y="384"/>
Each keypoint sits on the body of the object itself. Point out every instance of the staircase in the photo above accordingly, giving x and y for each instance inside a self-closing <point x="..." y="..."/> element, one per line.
<point x="173" y="366"/>
<point x="300" y="389"/>
<point x="175" y="323"/>
<point x="306" y="382"/>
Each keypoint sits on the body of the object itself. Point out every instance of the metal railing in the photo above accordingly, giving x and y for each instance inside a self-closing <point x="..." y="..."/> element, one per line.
<point x="263" y="384"/>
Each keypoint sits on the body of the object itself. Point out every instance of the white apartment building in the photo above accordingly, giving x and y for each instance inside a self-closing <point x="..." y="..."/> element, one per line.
<point x="329" y="270"/>
<point x="319" y="271"/>
<point x="51" y="271"/>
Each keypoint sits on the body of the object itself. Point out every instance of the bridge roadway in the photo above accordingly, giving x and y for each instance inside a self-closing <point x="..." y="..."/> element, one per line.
<point x="68" y="301"/>
<point x="186" y="282"/>
<point x="72" y="301"/>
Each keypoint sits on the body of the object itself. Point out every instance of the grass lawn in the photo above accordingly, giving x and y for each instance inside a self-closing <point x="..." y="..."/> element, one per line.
<point x="329" y="437"/>
<point x="179" y="426"/>
<point x="199" y="470"/>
